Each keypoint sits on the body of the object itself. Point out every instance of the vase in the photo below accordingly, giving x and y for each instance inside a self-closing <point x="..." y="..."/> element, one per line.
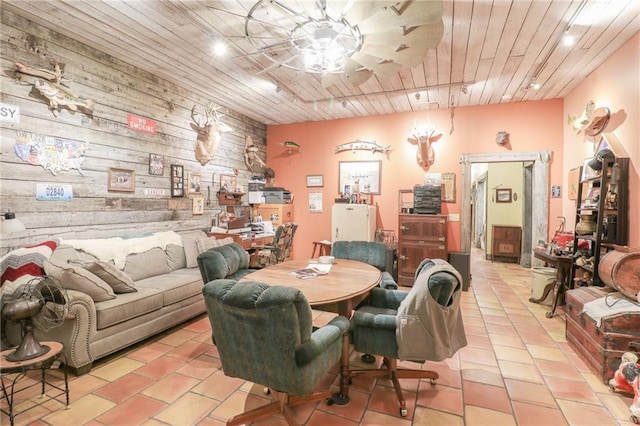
<point x="586" y="225"/>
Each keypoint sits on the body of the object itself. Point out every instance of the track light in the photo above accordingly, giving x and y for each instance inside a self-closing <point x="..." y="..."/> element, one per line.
<point x="344" y="104"/>
<point x="534" y="85"/>
<point x="278" y="89"/>
<point x="417" y="96"/>
<point x="464" y="89"/>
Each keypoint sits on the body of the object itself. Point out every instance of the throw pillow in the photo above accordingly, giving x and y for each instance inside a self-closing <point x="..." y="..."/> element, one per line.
<point x="190" y="248"/>
<point x="205" y="244"/>
<point x="21" y="265"/>
<point x="74" y="277"/>
<point x="107" y="272"/>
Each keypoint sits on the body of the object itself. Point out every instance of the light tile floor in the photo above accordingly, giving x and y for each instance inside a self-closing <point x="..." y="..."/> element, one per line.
<point x="516" y="370"/>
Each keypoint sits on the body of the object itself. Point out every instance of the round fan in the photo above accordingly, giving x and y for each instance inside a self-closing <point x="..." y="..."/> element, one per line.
<point x="356" y="39"/>
<point x="42" y="303"/>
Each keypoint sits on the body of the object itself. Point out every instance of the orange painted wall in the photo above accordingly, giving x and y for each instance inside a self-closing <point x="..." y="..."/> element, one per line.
<point x="533" y="126"/>
<point x="616" y="85"/>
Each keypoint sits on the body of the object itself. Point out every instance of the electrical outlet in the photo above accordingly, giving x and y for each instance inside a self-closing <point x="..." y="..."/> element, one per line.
<point x="454" y="217"/>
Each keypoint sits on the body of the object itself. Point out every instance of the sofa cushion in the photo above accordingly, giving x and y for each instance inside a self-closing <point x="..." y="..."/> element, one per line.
<point x="175" y="257"/>
<point x="204" y="244"/>
<point x="147" y="264"/>
<point x="190" y="247"/>
<point x="127" y="306"/>
<point x="74" y="277"/>
<point x="118" y="280"/>
<point x="21" y="265"/>
<point x="175" y="286"/>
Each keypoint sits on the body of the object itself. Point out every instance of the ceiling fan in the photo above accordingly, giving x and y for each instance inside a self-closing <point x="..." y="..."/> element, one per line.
<point x="346" y="39"/>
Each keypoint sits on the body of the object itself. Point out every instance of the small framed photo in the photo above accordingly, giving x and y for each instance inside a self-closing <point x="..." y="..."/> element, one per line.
<point x="315" y="180"/>
<point x="194" y="183"/>
<point x="503" y="195"/>
<point x="555" y="191"/>
<point x="228" y="183"/>
<point x="198" y="205"/>
<point x="122" y="180"/>
<point x="156" y="164"/>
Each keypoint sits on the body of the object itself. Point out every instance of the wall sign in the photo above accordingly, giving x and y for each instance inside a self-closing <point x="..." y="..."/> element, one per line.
<point x="52" y="153"/>
<point x="10" y="113"/>
<point x="140" y="124"/>
<point x="54" y="192"/>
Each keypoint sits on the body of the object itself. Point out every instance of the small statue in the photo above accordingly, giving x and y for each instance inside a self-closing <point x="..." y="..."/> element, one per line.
<point x="627" y="379"/>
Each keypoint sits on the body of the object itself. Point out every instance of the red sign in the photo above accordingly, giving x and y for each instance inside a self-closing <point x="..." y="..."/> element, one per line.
<point x="140" y="124"/>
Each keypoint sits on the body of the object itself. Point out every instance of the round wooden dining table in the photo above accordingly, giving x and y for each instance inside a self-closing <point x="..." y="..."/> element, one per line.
<point x="346" y="285"/>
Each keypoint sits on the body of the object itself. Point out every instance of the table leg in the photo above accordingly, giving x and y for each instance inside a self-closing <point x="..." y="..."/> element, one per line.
<point x="558" y="289"/>
<point x="342" y="397"/>
<point x="547" y="289"/>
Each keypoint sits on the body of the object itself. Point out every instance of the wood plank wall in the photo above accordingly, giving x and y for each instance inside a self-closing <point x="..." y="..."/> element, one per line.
<point x="118" y="89"/>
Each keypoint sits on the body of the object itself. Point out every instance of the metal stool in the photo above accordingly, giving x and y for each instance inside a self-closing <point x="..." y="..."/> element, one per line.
<point x="323" y="248"/>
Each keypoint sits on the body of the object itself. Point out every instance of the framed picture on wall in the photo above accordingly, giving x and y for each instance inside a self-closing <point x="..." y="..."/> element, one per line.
<point x="156" y="164"/>
<point x="177" y="180"/>
<point x="198" y="205"/>
<point x="503" y="195"/>
<point x="121" y="180"/>
<point x="359" y="176"/>
<point x="194" y="183"/>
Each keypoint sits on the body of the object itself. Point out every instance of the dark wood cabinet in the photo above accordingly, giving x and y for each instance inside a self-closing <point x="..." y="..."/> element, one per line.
<point x="421" y="236"/>
<point x="506" y="241"/>
<point x="601" y="217"/>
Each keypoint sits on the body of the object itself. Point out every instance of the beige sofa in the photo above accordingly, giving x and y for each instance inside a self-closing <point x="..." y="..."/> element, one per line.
<point x="158" y="286"/>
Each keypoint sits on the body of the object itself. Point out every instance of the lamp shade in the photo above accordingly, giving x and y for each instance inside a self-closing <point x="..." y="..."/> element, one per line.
<point x="10" y="224"/>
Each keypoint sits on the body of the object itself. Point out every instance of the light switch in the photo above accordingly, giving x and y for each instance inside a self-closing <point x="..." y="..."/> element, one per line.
<point x="454" y="217"/>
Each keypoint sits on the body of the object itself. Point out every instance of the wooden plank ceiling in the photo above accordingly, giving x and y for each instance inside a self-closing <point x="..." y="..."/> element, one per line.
<point x="491" y="51"/>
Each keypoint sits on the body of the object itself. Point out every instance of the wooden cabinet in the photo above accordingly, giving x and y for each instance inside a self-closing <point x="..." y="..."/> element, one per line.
<point x="421" y="236"/>
<point x="276" y="213"/>
<point x="601" y="217"/>
<point x="507" y="241"/>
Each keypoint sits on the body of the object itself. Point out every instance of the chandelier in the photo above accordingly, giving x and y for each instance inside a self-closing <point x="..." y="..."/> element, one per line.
<point x="326" y="44"/>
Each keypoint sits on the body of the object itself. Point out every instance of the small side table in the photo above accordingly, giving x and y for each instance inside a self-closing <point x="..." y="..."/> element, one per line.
<point x="322" y="247"/>
<point x="19" y="369"/>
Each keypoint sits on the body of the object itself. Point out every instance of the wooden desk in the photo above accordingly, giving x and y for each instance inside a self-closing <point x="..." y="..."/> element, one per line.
<point x="341" y="290"/>
<point x="248" y="242"/>
<point x="563" y="275"/>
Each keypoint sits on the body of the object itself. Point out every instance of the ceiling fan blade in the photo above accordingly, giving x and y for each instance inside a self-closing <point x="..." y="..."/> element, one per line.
<point x="423" y="37"/>
<point x="408" y="14"/>
<point x="355" y="73"/>
<point x="364" y="9"/>
<point x="408" y="56"/>
<point x="385" y="69"/>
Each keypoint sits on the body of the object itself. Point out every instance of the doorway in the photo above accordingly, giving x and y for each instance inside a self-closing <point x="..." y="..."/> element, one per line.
<point x="536" y="170"/>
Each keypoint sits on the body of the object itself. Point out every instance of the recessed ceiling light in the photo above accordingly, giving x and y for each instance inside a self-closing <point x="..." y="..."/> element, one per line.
<point x="506" y="97"/>
<point x="568" y="39"/>
<point x="535" y="85"/>
<point x="219" y="48"/>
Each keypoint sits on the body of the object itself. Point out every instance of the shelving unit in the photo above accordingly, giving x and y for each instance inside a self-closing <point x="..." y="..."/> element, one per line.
<point x="602" y="196"/>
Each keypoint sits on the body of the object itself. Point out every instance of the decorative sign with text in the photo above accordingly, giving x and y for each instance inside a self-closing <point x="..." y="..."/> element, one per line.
<point x="54" y="192"/>
<point x="10" y="113"/>
<point x="140" y="124"/>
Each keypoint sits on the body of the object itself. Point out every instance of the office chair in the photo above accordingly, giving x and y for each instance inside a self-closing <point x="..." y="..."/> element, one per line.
<point x="276" y="252"/>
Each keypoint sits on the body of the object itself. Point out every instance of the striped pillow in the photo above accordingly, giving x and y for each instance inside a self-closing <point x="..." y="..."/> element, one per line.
<point x="19" y="266"/>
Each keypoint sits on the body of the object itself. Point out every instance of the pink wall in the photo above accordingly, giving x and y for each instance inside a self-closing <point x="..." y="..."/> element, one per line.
<point x="616" y="85"/>
<point x="533" y="126"/>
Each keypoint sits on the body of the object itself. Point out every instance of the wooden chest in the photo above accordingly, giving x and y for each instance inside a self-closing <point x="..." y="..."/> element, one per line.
<point x="600" y="347"/>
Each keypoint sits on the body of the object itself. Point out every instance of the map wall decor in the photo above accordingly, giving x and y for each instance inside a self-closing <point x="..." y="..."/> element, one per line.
<point x="52" y="153"/>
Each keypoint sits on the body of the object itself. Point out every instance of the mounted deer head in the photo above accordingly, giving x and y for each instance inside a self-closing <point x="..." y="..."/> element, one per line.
<point x="209" y="130"/>
<point x="423" y="136"/>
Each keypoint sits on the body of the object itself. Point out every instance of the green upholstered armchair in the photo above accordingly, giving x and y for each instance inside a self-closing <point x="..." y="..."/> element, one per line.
<point x="422" y="324"/>
<point x="264" y="335"/>
<point x="277" y="251"/>
<point x="227" y="261"/>
<point x="372" y="252"/>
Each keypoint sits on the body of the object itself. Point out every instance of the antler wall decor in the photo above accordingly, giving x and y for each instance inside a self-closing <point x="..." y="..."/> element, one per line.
<point x="209" y="128"/>
<point x="423" y="136"/>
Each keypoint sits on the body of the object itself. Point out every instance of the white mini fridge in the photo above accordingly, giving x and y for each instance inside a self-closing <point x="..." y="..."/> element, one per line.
<point x="353" y="222"/>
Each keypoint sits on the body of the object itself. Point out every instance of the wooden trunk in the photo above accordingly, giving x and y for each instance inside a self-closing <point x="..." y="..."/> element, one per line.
<point x="600" y="347"/>
<point x="620" y="269"/>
